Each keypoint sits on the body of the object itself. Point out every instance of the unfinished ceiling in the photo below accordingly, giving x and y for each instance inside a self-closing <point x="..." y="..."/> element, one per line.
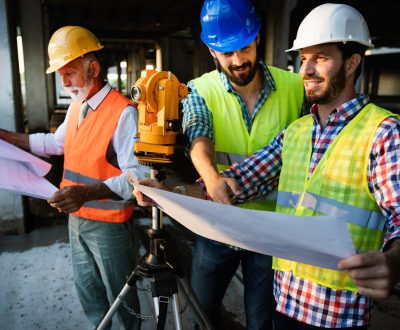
<point x="152" y="19"/>
<point x="125" y="20"/>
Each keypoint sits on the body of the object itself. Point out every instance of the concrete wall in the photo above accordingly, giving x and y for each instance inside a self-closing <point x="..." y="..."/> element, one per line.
<point x="11" y="205"/>
<point x="35" y="56"/>
<point x="277" y="23"/>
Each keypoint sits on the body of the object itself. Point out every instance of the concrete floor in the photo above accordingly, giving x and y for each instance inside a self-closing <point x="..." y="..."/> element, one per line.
<point x="37" y="292"/>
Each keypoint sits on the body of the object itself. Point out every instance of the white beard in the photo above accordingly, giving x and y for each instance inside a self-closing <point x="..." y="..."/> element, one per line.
<point x="78" y="93"/>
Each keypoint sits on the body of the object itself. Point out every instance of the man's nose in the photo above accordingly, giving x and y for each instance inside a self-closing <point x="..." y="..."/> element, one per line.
<point x="65" y="81"/>
<point x="237" y="59"/>
<point x="307" y="68"/>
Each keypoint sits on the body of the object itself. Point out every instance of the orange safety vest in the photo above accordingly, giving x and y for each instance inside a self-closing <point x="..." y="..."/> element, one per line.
<point x="85" y="156"/>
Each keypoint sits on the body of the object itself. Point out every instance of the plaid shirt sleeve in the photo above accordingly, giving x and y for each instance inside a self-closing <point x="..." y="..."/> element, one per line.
<point x="197" y="119"/>
<point x="384" y="175"/>
<point x="259" y="173"/>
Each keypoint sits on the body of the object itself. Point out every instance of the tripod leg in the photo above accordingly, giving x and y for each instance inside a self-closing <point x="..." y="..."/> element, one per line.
<point x="156" y="305"/>
<point x="190" y="296"/>
<point x="114" y="307"/>
<point x="177" y="314"/>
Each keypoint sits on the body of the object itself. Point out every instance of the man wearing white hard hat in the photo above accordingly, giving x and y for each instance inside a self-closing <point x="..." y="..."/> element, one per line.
<point x="343" y="159"/>
<point x="96" y="139"/>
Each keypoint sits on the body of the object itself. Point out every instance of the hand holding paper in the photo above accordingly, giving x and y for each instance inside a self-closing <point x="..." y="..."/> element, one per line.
<point x="23" y="173"/>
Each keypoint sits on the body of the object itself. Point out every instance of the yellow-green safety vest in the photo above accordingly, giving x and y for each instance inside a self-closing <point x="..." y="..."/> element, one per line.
<point x="233" y="142"/>
<point x="337" y="187"/>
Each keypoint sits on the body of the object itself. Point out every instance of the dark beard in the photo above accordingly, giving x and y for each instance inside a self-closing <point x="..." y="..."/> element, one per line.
<point x="242" y="80"/>
<point x="337" y="83"/>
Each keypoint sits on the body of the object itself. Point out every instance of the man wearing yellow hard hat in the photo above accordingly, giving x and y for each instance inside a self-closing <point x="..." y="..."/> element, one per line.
<point x="96" y="139"/>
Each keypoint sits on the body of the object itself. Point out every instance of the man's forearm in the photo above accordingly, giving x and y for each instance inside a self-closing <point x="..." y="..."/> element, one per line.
<point x="202" y="153"/>
<point x="99" y="191"/>
<point x="18" y="139"/>
<point x="219" y="189"/>
<point x="71" y="198"/>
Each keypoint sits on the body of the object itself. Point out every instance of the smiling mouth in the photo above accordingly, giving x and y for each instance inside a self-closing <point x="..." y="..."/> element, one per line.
<point x="242" y="68"/>
<point x="311" y="83"/>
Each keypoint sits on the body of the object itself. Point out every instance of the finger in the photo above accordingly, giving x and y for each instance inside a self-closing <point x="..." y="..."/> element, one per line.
<point x="148" y="182"/>
<point x="374" y="293"/>
<point x="223" y="199"/>
<point x="136" y="193"/>
<point x="147" y="203"/>
<point x="53" y="205"/>
<point x="376" y="283"/>
<point x="371" y="272"/>
<point x="54" y="198"/>
<point x="69" y="207"/>
<point x="226" y="198"/>
<point x="233" y="186"/>
<point x="222" y="195"/>
<point x="360" y="260"/>
<point x="132" y="179"/>
<point x="139" y="195"/>
<point x="143" y="200"/>
<point x="58" y="205"/>
<point x="59" y="209"/>
<point x="59" y="195"/>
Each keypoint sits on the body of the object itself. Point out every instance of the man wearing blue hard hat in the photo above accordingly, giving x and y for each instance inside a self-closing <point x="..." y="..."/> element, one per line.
<point x="230" y="113"/>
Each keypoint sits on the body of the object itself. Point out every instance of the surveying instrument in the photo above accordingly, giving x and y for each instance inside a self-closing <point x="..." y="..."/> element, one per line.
<point x="158" y="95"/>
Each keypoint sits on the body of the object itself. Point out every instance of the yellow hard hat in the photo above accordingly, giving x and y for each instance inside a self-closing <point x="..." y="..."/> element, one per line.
<point x="69" y="43"/>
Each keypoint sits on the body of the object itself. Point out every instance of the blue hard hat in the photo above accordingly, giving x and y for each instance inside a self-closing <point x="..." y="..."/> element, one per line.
<point x="228" y="25"/>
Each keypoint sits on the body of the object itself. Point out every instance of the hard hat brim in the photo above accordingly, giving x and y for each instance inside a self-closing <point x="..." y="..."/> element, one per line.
<point x="298" y="47"/>
<point x="55" y="67"/>
<point x="232" y="46"/>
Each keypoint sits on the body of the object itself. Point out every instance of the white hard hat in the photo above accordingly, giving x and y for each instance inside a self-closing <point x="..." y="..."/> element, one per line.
<point x="332" y="22"/>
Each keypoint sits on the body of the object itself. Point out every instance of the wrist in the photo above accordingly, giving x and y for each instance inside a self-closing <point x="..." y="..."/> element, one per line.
<point x="210" y="177"/>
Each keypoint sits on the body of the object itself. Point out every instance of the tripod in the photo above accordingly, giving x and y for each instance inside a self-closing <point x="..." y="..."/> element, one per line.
<point x="166" y="280"/>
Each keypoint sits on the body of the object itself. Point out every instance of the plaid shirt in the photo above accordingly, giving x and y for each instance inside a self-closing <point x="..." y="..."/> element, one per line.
<point x="301" y="299"/>
<point x="197" y="118"/>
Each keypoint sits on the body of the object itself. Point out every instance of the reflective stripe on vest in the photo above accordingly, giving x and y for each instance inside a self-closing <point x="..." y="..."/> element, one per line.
<point x="79" y="178"/>
<point x="350" y="214"/>
<point x="108" y="205"/>
<point x="227" y="159"/>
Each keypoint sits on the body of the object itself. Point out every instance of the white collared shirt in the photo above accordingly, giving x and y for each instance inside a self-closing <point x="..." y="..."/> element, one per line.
<point x="46" y="144"/>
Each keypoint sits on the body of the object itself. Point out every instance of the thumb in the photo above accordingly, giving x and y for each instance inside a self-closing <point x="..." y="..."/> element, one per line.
<point x="233" y="186"/>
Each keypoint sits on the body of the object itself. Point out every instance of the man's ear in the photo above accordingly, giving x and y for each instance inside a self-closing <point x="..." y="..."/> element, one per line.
<point x="212" y="52"/>
<point x="352" y="64"/>
<point x="94" y="67"/>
